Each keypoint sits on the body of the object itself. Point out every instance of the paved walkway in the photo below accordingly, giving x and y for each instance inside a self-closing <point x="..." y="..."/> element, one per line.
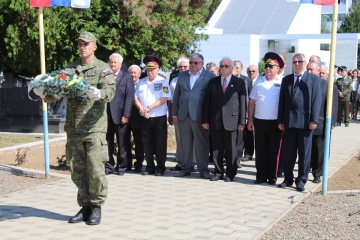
<point x="149" y="207"/>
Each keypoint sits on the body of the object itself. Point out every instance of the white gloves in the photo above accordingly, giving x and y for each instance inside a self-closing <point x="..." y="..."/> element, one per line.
<point x="93" y="93"/>
<point x="39" y="92"/>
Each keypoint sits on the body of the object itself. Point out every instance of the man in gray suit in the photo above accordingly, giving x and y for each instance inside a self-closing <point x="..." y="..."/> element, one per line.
<point x="188" y="102"/>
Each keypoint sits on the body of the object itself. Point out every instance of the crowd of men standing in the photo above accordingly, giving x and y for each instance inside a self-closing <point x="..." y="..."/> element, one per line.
<point x="219" y="115"/>
<point x="223" y="116"/>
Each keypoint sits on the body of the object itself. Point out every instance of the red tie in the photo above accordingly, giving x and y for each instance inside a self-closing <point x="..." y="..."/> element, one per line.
<point x="224" y="85"/>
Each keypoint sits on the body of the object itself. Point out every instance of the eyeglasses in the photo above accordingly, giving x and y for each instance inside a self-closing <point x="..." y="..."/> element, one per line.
<point x="298" y="62"/>
<point x="195" y="63"/>
<point x="225" y="66"/>
<point x="183" y="66"/>
<point x="251" y="71"/>
<point x="270" y="66"/>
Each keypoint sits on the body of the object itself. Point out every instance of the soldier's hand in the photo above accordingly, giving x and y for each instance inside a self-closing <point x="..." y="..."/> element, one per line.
<point x="205" y="125"/>
<point x="341" y="94"/>
<point x="93" y="93"/>
<point x="312" y="125"/>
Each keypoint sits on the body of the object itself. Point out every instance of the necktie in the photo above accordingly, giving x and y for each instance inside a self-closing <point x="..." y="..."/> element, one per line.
<point x="297" y="82"/>
<point x="224" y="85"/>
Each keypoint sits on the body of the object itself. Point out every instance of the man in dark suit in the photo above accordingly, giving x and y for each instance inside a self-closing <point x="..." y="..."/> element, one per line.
<point x="298" y="115"/>
<point x="119" y="110"/>
<point x="245" y="142"/>
<point x="317" y="149"/>
<point x="188" y="102"/>
<point x="224" y="113"/>
<point x="135" y="128"/>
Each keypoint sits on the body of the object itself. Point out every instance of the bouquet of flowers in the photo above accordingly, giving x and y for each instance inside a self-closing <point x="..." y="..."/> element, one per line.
<point x="61" y="83"/>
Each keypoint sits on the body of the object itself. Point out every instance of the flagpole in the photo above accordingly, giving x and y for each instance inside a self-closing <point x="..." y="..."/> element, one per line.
<point x="44" y="105"/>
<point x="329" y="98"/>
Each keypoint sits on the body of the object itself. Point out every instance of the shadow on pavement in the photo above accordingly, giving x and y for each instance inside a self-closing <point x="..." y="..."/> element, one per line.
<point x="8" y="212"/>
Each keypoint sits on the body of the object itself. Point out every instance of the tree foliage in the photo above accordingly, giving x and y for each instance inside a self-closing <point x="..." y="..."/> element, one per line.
<point x="133" y="28"/>
<point x="351" y="24"/>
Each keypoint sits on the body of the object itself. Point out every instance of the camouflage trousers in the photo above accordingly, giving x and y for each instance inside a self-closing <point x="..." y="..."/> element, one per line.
<point x="86" y="154"/>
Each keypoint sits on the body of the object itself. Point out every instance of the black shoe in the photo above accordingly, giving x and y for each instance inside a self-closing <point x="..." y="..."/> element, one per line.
<point x="216" y="178"/>
<point x="158" y="174"/>
<point x="182" y="174"/>
<point x="228" y="179"/>
<point x="128" y="169"/>
<point x="338" y="124"/>
<point x="176" y="168"/>
<point x="300" y="188"/>
<point x="205" y="175"/>
<point x="284" y="184"/>
<point x="148" y="173"/>
<point x="193" y="169"/>
<point x="137" y="170"/>
<point x="95" y="216"/>
<point x="272" y="182"/>
<point x="258" y="181"/>
<point x="317" y="180"/>
<point x="108" y="173"/>
<point x="346" y="124"/>
<point x="82" y="215"/>
<point x="120" y="173"/>
<point x="280" y="174"/>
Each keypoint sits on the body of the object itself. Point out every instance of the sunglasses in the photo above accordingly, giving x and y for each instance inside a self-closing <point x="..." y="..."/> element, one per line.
<point x="225" y="66"/>
<point x="270" y="66"/>
<point x="298" y="62"/>
<point x="182" y="66"/>
<point x="253" y="71"/>
<point x="195" y="63"/>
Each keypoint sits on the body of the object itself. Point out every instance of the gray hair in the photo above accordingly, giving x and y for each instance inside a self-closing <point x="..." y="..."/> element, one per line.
<point x="318" y="61"/>
<point x="135" y="66"/>
<point x="181" y="60"/>
<point x="229" y="59"/>
<point x="211" y="64"/>
<point x="197" y="55"/>
<point x="241" y="64"/>
<point x="299" y="55"/>
<point x="118" y="56"/>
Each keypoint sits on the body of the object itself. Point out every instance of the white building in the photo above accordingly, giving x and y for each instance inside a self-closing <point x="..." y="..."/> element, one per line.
<point x="246" y="30"/>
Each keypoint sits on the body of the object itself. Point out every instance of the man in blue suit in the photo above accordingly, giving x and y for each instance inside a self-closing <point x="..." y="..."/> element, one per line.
<point x="298" y="115"/>
<point x="187" y="107"/>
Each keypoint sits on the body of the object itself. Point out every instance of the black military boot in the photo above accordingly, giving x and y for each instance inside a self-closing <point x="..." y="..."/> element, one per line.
<point x="82" y="215"/>
<point x="95" y="216"/>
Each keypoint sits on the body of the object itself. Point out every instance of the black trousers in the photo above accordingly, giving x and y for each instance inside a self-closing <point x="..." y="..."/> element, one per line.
<point x="154" y="135"/>
<point x="139" y="147"/>
<point x="119" y="130"/>
<point x="267" y="143"/>
<point x="248" y="142"/>
<point x="317" y="155"/>
<point x="224" y="141"/>
<point x="295" y="141"/>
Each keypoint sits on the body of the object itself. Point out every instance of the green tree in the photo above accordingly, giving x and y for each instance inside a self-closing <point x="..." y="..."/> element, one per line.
<point x="133" y="28"/>
<point x="351" y="24"/>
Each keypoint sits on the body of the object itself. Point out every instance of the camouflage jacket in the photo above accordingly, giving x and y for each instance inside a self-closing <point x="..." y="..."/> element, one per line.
<point x="344" y="85"/>
<point x="90" y="116"/>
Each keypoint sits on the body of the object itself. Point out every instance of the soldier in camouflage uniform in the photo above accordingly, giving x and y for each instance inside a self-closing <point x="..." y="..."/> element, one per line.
<point x="86" y="126"/>
<point x="344" y="85"/>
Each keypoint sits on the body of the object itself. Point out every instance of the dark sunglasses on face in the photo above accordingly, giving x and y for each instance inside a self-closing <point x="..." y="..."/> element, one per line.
<point x="225" y="66"/>
<point x="182" y="66"/>
<point x="299" y="62"/>
<point x="195" y="63"/>
<point x="269" y="66"/>
<point x="251" y="71"/>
